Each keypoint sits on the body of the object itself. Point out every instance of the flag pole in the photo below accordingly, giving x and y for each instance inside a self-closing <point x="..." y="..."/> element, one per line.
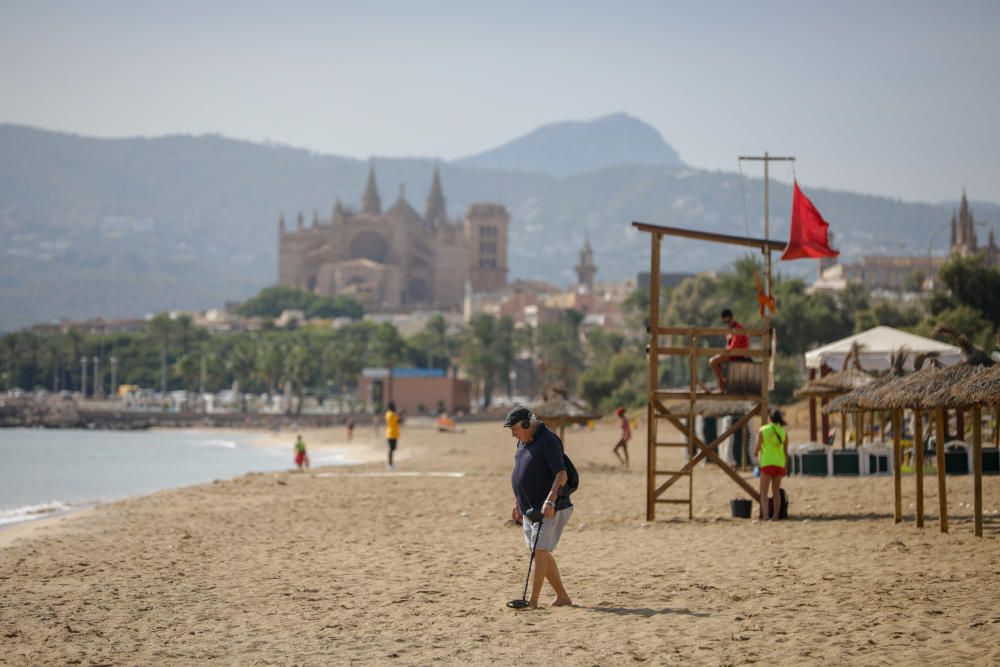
<point x="767" y="159"/>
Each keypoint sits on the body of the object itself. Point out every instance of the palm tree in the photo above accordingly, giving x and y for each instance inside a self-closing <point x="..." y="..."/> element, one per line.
<point x="161" y="329"/>
<point x="388" y="347"/>
<point x="480" y="352"/>
<point x="300" y="371"/>
<point x="242" y="363"/>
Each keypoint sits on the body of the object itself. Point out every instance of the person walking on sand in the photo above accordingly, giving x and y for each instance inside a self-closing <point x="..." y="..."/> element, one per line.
<point x="350" y="428"/>
<point x="538" y="476"/>
<point x="735" y="341"/>
<point x="772" y="453"/>
<point x="625" y="437"/>
<point x="391" y="432"/>
<point x="301" y="458"/>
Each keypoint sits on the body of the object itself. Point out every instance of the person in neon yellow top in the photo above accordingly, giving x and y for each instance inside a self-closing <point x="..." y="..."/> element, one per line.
<point x="391" y="431"/>
<point x="772" y="453"/>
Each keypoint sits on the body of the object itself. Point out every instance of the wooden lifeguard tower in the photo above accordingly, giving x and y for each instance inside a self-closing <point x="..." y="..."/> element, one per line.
<point x="749" y="381"/>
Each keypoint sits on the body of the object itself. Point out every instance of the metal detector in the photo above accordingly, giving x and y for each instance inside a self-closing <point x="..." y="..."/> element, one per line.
<point x="536" y="517"/>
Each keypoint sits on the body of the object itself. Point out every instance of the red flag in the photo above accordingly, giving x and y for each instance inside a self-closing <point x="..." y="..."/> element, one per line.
<point x="809" y="231"/>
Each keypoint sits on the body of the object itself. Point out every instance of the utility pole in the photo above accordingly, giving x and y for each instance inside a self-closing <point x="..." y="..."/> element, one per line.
<point x="83" y="378"/>
<point x="114" y="377"/>
<point x="98" y="380"/>
<point x="767" y="159"/>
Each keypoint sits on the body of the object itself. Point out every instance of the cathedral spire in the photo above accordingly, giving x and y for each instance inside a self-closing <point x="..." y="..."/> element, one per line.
<point x="370" y="202"/>
<point x="586" y="269"/>
<point x="436" y="210"/>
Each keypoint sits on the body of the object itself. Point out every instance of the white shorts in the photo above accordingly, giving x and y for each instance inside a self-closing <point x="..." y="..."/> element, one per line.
<point x="551" y="530"/>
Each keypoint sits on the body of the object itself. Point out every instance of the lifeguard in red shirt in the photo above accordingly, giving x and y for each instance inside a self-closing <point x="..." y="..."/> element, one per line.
<point x="737" y="339"/>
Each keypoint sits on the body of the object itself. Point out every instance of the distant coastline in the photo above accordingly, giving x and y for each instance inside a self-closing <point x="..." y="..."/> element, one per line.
<point x="47" y="414"/>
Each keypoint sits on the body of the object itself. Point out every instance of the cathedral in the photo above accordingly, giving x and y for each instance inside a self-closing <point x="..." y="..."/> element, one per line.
<point x="397" y="258"/>
<point x="963" y="237"/>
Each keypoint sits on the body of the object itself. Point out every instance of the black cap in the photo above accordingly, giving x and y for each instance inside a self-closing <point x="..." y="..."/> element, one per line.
<point x="517" y="414"/>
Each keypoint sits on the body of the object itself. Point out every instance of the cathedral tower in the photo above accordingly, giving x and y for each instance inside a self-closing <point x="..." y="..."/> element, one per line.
<point x="370" y="202"/>
<point x="437" y="213"/>
<point x="586" y="269"/>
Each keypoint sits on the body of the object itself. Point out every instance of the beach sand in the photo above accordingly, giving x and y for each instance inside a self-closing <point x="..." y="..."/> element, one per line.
<point x="334" y="568"/>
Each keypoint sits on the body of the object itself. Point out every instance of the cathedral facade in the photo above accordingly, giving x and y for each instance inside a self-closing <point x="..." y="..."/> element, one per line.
<point x="397" y="258"/>
<point x="963" y="237"/>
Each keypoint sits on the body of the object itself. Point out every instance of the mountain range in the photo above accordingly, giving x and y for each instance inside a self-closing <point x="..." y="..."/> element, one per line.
<point x="125" y="227"/>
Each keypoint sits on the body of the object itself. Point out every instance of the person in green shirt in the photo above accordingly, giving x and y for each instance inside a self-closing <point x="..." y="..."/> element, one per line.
<point x="772" y="453"/>
<point x="301" y="458"/>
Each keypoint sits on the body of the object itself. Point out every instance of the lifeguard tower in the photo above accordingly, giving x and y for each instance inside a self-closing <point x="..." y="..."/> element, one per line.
<point x="747" y="381"/>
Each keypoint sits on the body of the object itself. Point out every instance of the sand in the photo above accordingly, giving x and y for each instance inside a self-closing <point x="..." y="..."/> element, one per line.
<point x="334" y="567"/>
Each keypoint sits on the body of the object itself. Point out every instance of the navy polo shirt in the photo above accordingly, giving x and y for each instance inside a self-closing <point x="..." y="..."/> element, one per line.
<point x="535" y="468"/>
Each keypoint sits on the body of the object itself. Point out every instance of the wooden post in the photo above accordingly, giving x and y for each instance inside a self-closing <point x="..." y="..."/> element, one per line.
<point x="939" y="456"/>
<point x="692" y="422"/>
<point x="654" y="373"/>
<point x="918" y="463"/>
<point x="996" y="426"/>
<point x="843" y="430"/>
<point x="765" y="382"/>
<point x="977" y="465"/>
<point x="812" y="410"/>
<point x="897" y="473"/>
<point x="960" y="423"/>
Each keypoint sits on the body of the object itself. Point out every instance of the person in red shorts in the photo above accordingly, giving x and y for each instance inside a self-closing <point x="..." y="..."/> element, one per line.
<point x="772" y="452"/>
<point x="626" y="436"/>
<point x="301" y="458"/>
<point x="736" y="340"/>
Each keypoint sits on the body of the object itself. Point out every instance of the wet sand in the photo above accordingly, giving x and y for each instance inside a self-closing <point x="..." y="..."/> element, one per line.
<point x="332" y="567"/>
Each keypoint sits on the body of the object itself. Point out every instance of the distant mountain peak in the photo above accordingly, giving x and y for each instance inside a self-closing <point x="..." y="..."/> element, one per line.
<point x="571" y="147"/>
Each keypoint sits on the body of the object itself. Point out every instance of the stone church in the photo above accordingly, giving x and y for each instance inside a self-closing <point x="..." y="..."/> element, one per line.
<point x="397" y="258"/>
<point x="964" y="240"/>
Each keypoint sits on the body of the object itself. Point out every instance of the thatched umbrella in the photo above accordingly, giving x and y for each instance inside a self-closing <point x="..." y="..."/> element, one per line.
<point x="982" y="388"/>
<point x="558" y="411"/>
<point x="976" y="390"/>
<point x="851" y="402"/>
<point x="850" y="377"/>
<point x="928" y="389"/>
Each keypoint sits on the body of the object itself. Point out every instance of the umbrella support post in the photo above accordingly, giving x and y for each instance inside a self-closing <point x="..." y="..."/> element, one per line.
<point x="939" y="456"/>
<point x="897" y="473"/>
<point x="977" y="466"/>
<point x="918" y="463"/>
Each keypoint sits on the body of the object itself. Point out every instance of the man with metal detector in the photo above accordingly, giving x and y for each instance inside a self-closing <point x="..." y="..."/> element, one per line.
<point x="541" y="500"/>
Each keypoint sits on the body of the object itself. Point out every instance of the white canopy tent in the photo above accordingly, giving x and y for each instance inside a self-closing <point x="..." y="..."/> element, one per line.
<point x="876" y="347"/>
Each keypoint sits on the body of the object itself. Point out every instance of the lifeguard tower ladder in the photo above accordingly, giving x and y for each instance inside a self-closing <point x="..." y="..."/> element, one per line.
<point x="752" y="386"/>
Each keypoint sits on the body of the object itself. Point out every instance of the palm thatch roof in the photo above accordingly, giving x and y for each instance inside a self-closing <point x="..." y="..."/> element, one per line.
<point x="848" y="378"/>
<point x="984" y="388"/>
<point x="560" y="410"/>
<point x="851" y="402"/>
<point x="931" y="388"/>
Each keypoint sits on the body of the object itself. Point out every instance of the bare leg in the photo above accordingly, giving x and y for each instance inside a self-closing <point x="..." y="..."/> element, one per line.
<point x="619" y="456"/>
<point x="625" y="450"/>
<point x="542" y="560"/>
<point x="562" y="598"/>
<point x="777" y="497"/>
<point x="765" y="482"/>
<point x="716" y="364"/>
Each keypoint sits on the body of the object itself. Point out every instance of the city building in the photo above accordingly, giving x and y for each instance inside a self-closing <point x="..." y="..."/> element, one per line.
<point x="909" y="273"/>
<point x="418" y="391"/>
<point x="397" y="258"/>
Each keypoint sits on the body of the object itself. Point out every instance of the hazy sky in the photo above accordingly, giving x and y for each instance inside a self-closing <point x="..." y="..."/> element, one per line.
<point x="895" y="98"/>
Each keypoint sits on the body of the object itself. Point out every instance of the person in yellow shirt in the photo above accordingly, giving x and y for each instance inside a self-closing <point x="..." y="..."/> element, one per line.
<point x="772" y="452"/>
<point x="391" y="431"/>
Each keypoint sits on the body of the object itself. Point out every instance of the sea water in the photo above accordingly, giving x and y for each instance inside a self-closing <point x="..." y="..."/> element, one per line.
<point x="47" y="471"/>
